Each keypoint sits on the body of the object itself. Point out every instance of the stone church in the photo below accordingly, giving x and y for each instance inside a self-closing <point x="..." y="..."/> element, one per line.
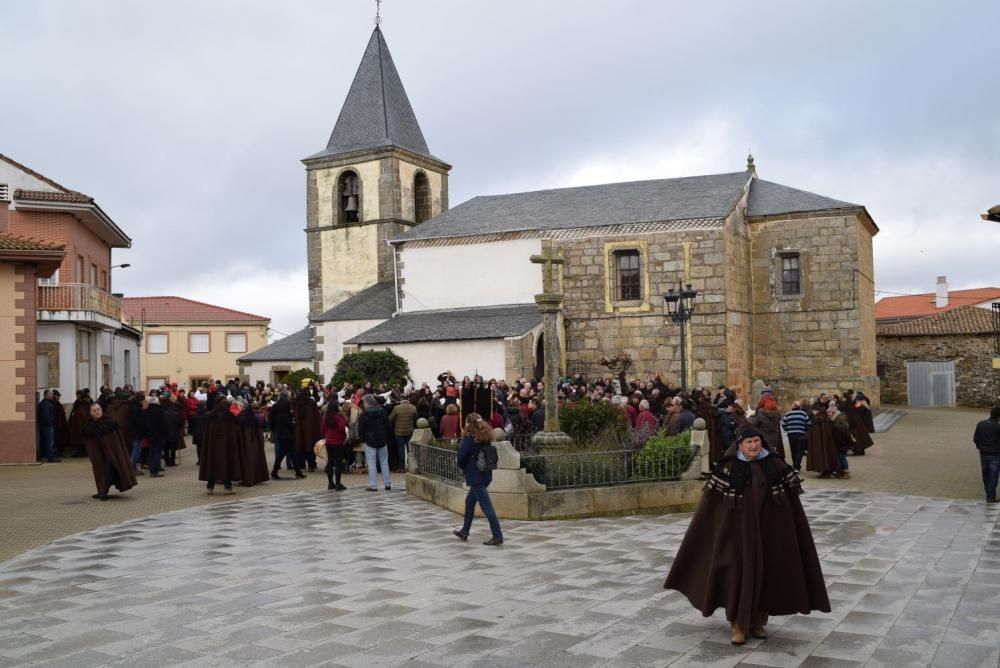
<point x="784" y="277"/>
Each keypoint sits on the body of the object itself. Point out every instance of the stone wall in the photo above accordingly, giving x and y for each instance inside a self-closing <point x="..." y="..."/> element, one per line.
<point x="739" y="306"/>
<point x="977" y="384"/>
<point x="815" y="341"/>
<point x="596" y="324"/>
<point x="519" y="355"/>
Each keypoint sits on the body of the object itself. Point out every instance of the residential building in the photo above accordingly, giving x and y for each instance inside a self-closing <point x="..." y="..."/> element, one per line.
<point x="899" y="308"/>
<point x="81" y="340"/>
<point x="187" y="341"/>
<point x="272" y="363"/>
<point x="22" y="263"/>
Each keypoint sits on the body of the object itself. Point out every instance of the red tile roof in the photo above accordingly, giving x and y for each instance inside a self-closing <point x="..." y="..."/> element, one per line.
<point x="915" y="306"/>
<point x="49" y="196"/>
<point x="961" y="320"/>
<point x="10" y="242"/>
<point x="179" y="309"/>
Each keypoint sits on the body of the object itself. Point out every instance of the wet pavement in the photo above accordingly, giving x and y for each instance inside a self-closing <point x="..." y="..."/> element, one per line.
<point x="376" y="579"/>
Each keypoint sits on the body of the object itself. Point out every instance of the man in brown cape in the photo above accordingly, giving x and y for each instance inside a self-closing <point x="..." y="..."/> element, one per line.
<point x="749" y="549"/>
<point x="855" y="409"/>
<point x="307" y="428"/>
<point x="254" y="459"/>
<point x="222" y="441"/>
<point x="109" y="456"/>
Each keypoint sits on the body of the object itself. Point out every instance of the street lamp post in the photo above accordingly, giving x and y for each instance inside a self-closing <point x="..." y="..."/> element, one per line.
<point x="993" y="215"/>
<point x="680" y="306"/>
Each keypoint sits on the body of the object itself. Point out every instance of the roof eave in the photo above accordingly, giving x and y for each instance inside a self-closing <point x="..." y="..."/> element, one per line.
<point x="45" y="261"/>
<point x="856" y="209"/>
<point x="90" y="213"/>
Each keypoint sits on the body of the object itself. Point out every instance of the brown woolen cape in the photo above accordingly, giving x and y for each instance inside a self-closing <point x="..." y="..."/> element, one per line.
<point x="754" y="554"/>
<point x="769" y="425"/>
<point x="221" y="447"/>
<point x="109" y="456"/>
<point x="254" y="459"/>
<point x="821" y="448"/>
<point x="716" y="448"/>
<point x="118" y="411"/>
<point x="307" y="427"/>
<point x="859" y="430"/>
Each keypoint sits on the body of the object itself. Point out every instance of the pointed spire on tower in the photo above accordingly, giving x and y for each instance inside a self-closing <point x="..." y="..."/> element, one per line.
<point x="377" y="111"/>
<point x="751" y="168"/>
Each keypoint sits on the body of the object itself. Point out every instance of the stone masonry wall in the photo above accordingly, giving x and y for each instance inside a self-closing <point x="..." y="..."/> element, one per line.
<point x="814" y="342"/>
<point x="595" y="328"/>
<point x="739" y="306"/>
<point x="519" y="354"/>
<point x="977" y="383"/>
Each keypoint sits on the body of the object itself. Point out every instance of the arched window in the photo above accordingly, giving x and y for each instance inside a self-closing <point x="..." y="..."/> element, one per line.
<point x="348" y="198"/>
<point x="421" y="197"/>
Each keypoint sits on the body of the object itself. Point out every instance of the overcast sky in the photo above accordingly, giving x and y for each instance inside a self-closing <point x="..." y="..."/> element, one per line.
<point x="188" y="120"/>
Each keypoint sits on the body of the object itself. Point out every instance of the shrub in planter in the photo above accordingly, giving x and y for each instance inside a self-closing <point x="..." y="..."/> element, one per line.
<point x="662" y="457"/>
<point x="594" y="424"/>
<point x="295" y="378"/>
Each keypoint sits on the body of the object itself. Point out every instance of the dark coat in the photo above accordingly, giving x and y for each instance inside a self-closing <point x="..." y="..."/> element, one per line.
<point x="62" y="426"/>
<point x="769" y="425"/>
<point x="78" y="419"/>
<point x="136" y="428"/>
<point x="987" y="438"/>
<point x="222" y="443"/>
<point x="716" y="443"/>
<point x="196" y="424"/>
<point x="862" y="439"/>
<point x="118" y="411"/>
<point x="374" y="429"/>
<point x="46" y="413"/>
<point x="307" y="427"/>
<point x="109" y="456"/>
<point x="822" y="448"/>
<point x="753" y="552"/>
<point x="254" y="459"/>
<point x="282" y="424"/>
<point x="174" y="428"/>
<point x="468" y="454"/>
<point x="154" y="421"/>
<point x="842" y="434"/>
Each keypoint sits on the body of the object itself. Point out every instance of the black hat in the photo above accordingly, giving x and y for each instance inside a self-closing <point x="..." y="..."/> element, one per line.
<point x="749" y="431"/>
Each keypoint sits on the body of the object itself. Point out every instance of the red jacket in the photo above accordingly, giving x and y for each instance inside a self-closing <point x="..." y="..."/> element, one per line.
<point x="645" y="421"/>
<point x="630" y="414"/>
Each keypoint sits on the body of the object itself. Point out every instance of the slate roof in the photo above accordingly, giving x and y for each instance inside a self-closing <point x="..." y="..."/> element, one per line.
<point x="918" y="306"/>
<point x="769" y="199"/>
<point x="179" y="309"/>
<point x="712" y="196"/>
<point x="962" y="320"/>
<point x="485" y="322"/>
<point x="377" y="111"/>
<point x="297" y="346"/>
<point x="13" y="243"/>
<point x="377" y="302"/>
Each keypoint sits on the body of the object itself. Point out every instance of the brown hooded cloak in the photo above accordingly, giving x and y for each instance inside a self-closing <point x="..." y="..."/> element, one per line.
<point x="769" y="424"/>
<point x="254" y="459"/>
<point x="821" y="451"/>
<point x="109" y="456"/>
<point x="749" y="549"/>
<point x="307" y="427"/>
<point x="859" y="430"/>
<point x="118" y="411"/>
<point x="79" y="417"/>
<point x="221" y="446"/>
<point x="707" y="412"/>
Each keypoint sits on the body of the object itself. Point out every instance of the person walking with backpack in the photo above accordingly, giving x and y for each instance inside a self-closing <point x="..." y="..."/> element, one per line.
<point x="477" y="457"/>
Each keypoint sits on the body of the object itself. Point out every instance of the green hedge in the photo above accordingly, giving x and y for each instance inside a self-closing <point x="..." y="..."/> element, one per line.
<point x="374" y="366"/>
<point x="594" y="424"/>
<point x="662" y="457"/>
<point x="294" y="379"/>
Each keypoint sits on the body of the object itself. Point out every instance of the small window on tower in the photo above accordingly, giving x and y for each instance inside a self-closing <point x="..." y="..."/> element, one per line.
<point x="629" y="275"/>
<point x="791" y="283"/>
<point x="349" y="198"/>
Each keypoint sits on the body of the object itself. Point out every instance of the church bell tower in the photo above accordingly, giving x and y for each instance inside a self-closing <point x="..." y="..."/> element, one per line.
<point x="375" y="179"/>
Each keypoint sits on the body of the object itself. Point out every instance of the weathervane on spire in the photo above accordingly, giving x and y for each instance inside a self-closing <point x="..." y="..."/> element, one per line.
<point x="378" y="13"/>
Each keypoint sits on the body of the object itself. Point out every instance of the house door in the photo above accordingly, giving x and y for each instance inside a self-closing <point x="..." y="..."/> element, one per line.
<point x="930" y="383"/>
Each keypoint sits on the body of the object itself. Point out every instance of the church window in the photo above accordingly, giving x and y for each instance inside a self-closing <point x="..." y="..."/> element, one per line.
<point x="421" y="197"/>
<point x="349" y="198"/>
<point x="791" y="283"/>
<point x="629" y="275"/>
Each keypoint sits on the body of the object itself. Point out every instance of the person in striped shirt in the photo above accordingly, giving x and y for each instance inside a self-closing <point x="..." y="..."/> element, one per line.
<point x="796" y="424"/>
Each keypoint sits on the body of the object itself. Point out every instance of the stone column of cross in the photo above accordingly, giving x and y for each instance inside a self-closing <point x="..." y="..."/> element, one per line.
<point x="550" y="305"/>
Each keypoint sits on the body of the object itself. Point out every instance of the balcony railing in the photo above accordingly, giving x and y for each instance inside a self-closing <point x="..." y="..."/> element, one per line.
<point x="79" y="297"/>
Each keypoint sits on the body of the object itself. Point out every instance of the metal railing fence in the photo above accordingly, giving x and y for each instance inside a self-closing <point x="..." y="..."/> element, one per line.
<point x="618" y="467"/>
<point x="436" y="462"/>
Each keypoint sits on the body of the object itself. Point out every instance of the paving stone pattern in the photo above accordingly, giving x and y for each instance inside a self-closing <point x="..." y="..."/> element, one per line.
<point x="376" y="579"/>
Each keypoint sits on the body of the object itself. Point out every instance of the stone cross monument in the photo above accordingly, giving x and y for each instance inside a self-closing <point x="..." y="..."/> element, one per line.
<point x="550" y="305"/>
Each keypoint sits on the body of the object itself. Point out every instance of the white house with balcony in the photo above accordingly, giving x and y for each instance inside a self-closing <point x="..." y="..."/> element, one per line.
<point x="82" y="339"/>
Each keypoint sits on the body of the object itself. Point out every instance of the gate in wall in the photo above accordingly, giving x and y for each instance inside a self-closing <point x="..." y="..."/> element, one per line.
<point x="930" y="383"/>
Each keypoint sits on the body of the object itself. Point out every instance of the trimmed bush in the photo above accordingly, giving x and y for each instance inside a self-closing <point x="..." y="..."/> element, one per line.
<point x="374" y="366"/>
<point x="594" y="423"/>
<point x="662" y="457"/>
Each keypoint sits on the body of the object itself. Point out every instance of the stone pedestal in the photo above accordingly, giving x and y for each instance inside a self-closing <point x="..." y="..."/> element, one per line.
<point x="699" y="438"/>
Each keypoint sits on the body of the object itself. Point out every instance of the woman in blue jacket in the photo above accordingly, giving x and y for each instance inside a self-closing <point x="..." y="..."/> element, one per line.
<point x="477" y="434"/>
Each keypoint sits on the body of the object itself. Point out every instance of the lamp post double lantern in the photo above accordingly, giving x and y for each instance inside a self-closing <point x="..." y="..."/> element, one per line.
<point x="680" y="306"/>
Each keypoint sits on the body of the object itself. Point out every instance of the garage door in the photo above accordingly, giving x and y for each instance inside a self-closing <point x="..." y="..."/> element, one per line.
<point x="930" y="383"/>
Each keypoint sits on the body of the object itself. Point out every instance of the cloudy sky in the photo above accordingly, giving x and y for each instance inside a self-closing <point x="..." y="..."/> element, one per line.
<point x="187" y="120"/>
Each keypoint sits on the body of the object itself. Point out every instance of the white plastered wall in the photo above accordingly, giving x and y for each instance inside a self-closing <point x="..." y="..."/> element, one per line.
<point x="463" y="358"/>
<point x="485" y="274"/>
<point x="334" y="334"/>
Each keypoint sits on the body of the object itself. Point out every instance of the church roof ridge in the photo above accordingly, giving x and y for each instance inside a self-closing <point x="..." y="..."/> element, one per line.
<point x="376" y="111"/>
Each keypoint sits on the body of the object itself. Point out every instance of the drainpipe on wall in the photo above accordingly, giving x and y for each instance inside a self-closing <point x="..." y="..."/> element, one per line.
<point x="395" y="277"/>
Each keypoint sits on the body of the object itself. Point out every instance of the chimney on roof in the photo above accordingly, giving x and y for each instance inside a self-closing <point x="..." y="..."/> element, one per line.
<point x="941" y="299"/>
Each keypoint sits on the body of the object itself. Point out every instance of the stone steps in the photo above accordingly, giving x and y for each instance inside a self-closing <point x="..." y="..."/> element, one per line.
<point x="886" y="418"/>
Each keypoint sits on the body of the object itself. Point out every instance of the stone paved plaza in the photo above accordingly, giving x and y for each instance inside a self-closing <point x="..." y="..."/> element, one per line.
<point x="376" y="579"/>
